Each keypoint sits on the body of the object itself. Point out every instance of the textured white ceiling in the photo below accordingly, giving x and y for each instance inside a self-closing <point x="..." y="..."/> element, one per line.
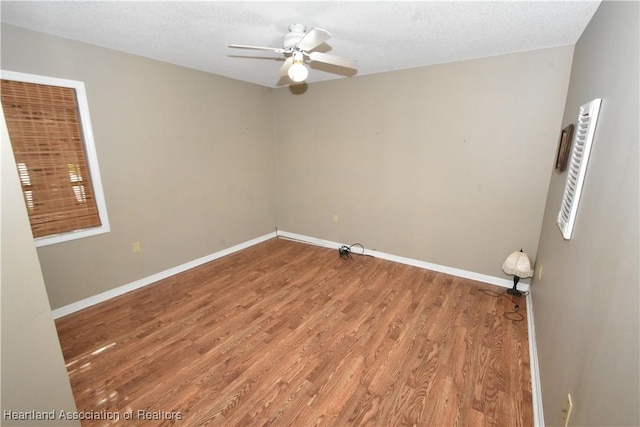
<point x="382" y="36"/>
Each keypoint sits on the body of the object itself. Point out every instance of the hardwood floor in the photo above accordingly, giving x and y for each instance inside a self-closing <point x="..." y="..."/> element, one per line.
<point x="288" y="334"/>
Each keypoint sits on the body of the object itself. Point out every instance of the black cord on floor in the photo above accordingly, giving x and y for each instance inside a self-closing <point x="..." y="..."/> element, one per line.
<point x="514" y="315"/>
<point x="346" y="251"/>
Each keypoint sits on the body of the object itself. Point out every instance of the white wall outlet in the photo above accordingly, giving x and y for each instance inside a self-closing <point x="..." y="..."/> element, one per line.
<point x="540" y="272"/>
<point x="136" y="247"/>
<point x="335" y="218"/>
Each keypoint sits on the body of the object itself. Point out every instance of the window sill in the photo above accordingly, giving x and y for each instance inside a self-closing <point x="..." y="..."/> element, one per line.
<point x="74" y="235"/>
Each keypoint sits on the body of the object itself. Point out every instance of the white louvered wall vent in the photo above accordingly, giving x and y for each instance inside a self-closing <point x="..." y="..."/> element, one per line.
<point x="578" y="166"/>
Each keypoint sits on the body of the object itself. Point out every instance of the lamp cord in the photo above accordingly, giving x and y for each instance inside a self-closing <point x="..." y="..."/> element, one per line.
<point x="514" y="315"/>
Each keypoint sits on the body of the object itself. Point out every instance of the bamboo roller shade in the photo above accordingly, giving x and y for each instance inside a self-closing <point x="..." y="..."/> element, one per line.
<point x="44" y="126"/>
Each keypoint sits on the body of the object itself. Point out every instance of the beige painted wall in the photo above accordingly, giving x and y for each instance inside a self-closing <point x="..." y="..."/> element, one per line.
<point x="447" y="164"/>
<point x="186" y="157"/>
<point x="586" y="304"/>
<point x="34" y="376"/>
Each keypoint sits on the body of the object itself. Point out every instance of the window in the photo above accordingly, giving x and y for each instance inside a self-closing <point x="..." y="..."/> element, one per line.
<point x="50" y="131"/>
<point x="582" y="141"/>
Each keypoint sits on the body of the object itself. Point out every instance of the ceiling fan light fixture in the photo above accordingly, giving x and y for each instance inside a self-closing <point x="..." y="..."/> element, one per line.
<point x="298" y="72"/>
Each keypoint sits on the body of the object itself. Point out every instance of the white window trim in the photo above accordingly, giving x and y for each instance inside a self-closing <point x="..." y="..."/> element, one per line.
<point x="90" y="151"/>
<point x="577" y="170"/>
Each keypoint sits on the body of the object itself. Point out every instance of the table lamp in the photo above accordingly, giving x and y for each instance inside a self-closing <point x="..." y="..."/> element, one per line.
<point x="518" y="265"/>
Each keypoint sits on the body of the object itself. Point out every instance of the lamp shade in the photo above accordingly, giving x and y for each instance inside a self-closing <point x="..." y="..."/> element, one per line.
<point x="518" y="264"/>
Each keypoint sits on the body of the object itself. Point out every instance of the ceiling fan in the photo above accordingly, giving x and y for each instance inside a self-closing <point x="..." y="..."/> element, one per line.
<point x="298" y="45"/>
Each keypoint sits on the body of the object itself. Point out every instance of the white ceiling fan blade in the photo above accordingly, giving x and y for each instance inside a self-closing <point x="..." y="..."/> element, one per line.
<point x="314" y="38"/>
<point x="242" y="46"/>
<point x="285" y="67"/>
<point x="334" y="60"/>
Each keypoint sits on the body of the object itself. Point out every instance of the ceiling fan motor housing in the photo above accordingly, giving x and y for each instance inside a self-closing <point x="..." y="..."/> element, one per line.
<point x="293" y="37"/>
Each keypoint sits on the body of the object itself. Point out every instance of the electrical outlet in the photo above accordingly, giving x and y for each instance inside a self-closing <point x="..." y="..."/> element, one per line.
<point x="566" y="411"/>
<point x="136" y="247"/>
<point x="335" y="218"/>
<point x="540" y="273"/>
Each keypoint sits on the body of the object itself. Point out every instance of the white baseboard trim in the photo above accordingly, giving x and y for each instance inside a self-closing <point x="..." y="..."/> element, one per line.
<point x="409" y="261"/>
<point x="112" y="293"/>
<point x="536" y="389"/>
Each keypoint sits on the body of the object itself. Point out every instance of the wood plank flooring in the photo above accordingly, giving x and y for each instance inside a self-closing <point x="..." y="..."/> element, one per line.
<point x="288" y="334"/>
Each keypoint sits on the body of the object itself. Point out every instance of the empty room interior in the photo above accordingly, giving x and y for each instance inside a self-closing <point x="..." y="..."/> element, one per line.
<point x="316" y="224"/>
